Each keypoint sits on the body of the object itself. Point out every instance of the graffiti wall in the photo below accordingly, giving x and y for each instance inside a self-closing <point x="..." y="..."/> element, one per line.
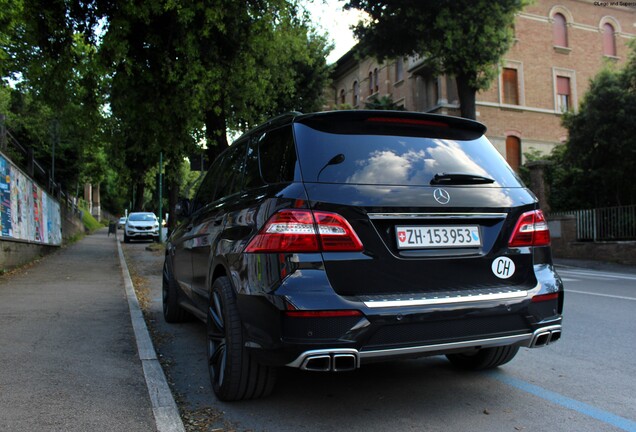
<point x="26" y="211"/>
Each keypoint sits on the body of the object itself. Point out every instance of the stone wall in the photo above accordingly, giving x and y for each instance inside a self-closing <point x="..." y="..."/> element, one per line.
<point x="564" y="245"/>
<point x="14" y="253"/>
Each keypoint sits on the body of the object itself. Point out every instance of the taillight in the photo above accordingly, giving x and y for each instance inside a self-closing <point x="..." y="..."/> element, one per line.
<point x="545" y="297"/>
<point x="300" y="231"/>
<point x="531" y="230"/>
<point x="407" y="121"/>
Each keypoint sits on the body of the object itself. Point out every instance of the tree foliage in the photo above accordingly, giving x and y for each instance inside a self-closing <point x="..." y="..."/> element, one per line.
<point x="114" y="83"/>
<point x="55" y="105"/>
<point x="464" y="40"/>
<point x="382" y="103"/>
<point x="593" y="169"/>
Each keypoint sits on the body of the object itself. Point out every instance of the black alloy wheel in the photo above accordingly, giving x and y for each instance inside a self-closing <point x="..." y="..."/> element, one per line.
<point x="233" y="373"/>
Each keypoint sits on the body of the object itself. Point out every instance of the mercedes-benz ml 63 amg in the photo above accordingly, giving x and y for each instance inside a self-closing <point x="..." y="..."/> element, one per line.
<point x="326" y="241"/>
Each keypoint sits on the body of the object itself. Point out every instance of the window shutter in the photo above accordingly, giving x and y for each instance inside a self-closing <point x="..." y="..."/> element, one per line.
<point x="510" y="86"/>
<point x="563" y="86"/>
<point x="609" y="42"/>
<point x="559" y="31"/>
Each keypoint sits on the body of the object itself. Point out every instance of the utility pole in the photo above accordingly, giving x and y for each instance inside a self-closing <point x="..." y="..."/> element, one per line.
<point x="160" y="196"/>
<point x="3" y="133"/>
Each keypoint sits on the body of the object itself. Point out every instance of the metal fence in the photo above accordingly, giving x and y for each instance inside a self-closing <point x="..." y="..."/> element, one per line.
<point x="604" y="224"/>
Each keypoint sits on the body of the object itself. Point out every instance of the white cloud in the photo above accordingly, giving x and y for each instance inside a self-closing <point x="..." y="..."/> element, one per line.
<point x="330" y="17"/>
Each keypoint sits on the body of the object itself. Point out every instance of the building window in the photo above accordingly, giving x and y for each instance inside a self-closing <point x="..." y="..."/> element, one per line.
<point x="564" y="99"/>
<point x="559" y="30"/>
<point x="513" y="152"/>
<point x="370" y="83"/>
<point x="510" y="86"/>
<point x="376" y="86"/>
<point x="356" y="93"/>
<point x="609" y="40"/>
<point x="342" y="97"/>
<point x="399" y="69"/>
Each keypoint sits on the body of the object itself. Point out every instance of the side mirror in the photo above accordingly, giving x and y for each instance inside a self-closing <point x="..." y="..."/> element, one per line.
<point x="183" y="208"/>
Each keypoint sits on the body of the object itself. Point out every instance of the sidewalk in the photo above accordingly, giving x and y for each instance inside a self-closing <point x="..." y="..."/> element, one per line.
<point x="68" y="357"/>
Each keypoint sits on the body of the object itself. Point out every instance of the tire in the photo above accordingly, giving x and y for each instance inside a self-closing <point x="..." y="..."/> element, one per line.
<point x="172" y="311"/>
<point x="486" y="358"/>
<point x="126" y="238"/>
<point x="234" y="374"/>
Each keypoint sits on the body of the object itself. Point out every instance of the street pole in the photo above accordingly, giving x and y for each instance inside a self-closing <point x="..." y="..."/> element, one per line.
<point x="160" y="196"/>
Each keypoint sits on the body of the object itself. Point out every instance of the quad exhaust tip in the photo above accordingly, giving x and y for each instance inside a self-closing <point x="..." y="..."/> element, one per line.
<point x="545" y="336"/>
<point x="331" y="362"/>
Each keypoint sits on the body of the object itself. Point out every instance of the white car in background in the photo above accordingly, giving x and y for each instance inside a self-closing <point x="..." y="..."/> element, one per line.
<point x="141" y="226"/>
<point x="122" y="222"/>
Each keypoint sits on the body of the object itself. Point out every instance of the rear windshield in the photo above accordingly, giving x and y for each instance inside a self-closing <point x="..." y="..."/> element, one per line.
<point x="396" y="160"/>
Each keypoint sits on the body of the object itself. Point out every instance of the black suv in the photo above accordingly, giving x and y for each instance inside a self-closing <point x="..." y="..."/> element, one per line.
<point x="326" y="241"/>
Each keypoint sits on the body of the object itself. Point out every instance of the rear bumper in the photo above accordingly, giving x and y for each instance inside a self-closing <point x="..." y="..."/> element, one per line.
<point x="345" y="343"/>
<point x="142" y="234"/>
<point x="391" y="326"/>
<point x="344" y="359"/>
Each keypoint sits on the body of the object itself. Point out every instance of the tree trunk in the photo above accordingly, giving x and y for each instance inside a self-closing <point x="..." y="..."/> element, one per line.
<point x="215" y="133"/>
<point x="466" y="94"/>
<point x="140" y="188"/>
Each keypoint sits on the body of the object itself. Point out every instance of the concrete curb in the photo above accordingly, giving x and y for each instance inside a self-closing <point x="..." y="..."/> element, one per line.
<point x="165" y="409"/>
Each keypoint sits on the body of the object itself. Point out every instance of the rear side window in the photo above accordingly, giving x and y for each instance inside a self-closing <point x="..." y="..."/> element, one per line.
<point x="277" y="156"/>
<point x="252" y="176"/>
<point x="396" y="160"/>
<point x="231" y="171"/>
<point x="205" y="194"/>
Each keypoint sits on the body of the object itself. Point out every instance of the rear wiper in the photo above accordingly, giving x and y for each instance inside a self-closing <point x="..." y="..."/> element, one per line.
<point x="459" y="179"/>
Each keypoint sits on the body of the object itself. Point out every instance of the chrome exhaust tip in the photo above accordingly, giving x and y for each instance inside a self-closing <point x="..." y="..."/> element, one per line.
<point x="318" y="363"/>
<point x="344" y="362"/>
<point x="555" y="336"/>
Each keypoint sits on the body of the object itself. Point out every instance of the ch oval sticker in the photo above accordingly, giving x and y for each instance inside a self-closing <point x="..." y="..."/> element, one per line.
<point x="503" y="267"/>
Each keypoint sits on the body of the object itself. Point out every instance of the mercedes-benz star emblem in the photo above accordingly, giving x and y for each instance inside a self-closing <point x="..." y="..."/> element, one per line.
<point x="441" y="196"/>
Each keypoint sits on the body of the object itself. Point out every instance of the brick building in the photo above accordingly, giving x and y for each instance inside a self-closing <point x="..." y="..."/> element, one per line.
<point x="558" y="48"/>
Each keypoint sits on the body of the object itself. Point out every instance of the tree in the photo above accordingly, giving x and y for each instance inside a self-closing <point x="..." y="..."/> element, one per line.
<point x="465" y="40"/>
<point x="55" y="105"/>
<point x="593" y="168"/>
<point x="382" y="103"/>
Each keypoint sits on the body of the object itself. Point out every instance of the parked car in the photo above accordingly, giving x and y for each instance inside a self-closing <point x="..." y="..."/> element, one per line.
<point x="141" y="226"/>
<point x="122" y="222"/>
<point x="331" y="240"/>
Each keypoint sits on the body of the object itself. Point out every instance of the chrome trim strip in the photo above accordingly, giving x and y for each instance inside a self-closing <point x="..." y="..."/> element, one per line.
<point x="437" y="215"/>
<point x="481" y="343"/>
<point x="446" y="300"/>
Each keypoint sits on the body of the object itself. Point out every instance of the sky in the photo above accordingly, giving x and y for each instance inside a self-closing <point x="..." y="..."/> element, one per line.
<point x="329" y="17"/>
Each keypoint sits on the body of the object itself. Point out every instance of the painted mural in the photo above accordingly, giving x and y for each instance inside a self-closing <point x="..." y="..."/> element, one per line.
<point x="26" y="211"/>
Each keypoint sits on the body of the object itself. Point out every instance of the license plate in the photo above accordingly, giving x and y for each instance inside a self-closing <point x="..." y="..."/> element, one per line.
<point x="418" y="237"/>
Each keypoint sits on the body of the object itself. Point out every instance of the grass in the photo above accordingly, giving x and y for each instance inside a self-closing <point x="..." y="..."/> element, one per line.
<point x="89" y="221"/>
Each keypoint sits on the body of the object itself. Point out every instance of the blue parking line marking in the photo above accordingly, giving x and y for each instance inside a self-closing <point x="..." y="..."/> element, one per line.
<point x="564" y="401"/>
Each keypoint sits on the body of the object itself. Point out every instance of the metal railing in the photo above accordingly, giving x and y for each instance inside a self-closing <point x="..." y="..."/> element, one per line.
<point x="604" y="224"/>
<point x="23" y="157"/>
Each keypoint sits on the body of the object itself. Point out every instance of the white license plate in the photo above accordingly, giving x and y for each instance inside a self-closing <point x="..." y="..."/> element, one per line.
<point x="418" y="237"/>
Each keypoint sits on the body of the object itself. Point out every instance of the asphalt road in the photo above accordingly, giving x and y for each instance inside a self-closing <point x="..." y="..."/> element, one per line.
<point x="585" y="382"/>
